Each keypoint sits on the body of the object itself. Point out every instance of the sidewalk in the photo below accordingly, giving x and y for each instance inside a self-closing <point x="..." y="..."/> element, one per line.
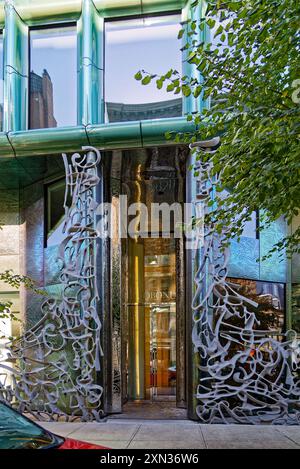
<point x="179" y="434"/>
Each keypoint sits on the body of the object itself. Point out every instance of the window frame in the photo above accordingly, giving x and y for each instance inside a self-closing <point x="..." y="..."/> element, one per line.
<point x="128" y="18"/>
<point x="40" y="28"/>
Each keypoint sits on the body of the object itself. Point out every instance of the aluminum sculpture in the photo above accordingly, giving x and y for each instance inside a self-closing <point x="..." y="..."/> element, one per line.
<point x="246" y="375"/>
<point x="51" y="371"/>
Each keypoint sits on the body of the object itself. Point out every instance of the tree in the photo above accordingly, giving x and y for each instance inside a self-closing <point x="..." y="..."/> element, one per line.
<point x="250" y="75"/>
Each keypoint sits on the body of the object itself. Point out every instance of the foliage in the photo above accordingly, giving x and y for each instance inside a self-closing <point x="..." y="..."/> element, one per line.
<point x="249" y="73"/>
<point x="14" y="281"/>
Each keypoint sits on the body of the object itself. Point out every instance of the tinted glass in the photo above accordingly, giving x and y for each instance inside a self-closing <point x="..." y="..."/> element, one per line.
<point x="17" y="432"/>
<point x="250" y="227"/>
<point x="270" y="297"/>
<point x="53" y="77"/>
<point x="1" y="81"/>
<point x="296" y="307"/>
<point x="55" y="212"/>
<point x="150" y="44"/>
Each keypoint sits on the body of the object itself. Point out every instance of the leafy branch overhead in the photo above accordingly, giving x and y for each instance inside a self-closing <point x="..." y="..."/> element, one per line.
<point x="247" y="72"/>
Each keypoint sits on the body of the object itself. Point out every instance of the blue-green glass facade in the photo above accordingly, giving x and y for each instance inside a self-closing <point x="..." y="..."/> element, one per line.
<point x="29" y="158"/>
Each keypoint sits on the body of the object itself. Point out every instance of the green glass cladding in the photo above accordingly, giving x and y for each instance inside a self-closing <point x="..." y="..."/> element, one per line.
<point x="90" y="108"/>
<point x="15" y="71"/>
<point x="47" y="11"/>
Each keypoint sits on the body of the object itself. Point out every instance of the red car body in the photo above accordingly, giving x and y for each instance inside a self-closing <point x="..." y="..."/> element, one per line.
<point x="69" y="443"/>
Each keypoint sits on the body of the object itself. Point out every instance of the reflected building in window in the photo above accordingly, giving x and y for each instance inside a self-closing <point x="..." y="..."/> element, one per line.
<point x="141" y="43"/>
<point x="41" y="101"/>
<point x="53" y="77"/>
<point x="119" y="112"/>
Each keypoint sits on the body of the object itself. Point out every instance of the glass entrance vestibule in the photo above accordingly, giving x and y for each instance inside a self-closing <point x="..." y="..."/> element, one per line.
<point x="151" y="312"/>
<point x="148" y="315"/>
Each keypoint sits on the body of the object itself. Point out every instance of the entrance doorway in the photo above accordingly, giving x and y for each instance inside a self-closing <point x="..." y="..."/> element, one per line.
<point x="153" y="265"/>
<point x="148" y="323"/>
<point x="152" y="321"/>
<point x="163" y="352"/>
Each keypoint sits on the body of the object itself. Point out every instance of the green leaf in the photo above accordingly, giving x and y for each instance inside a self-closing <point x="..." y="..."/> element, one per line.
<point x="138" y="76"/>
<point x="186" y="90"/>
<point x="159" y="83"/>
<point x="146" y="80"/>
<point x="180" y="34"/>
<point x="170" y="87"/>
<point x="211" y="23"/>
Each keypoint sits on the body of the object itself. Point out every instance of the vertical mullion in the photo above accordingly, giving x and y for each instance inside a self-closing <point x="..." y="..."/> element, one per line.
<point x="16" y="68"/>
<point x="90" y="60"/>
<point x="190" y="103"/>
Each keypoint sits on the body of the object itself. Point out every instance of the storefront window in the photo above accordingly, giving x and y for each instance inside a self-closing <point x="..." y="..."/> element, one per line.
<point x="270" y="297"/>
<point x="1" y="81"/>
<point x="53" y="76"/>
<point x="150" y="44"/>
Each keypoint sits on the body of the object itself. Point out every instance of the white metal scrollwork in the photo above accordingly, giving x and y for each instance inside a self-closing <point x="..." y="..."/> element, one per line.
<point x="51" y="371"/>
<point x="246" y="375"/>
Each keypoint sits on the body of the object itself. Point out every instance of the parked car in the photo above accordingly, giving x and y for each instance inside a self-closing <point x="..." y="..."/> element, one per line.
<point x="19" y="432"/>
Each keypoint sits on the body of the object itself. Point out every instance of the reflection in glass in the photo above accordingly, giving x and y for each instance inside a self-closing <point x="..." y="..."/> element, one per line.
<point x="1" y="81"/>
<point x="53" y="77"/>
<point x="55" y="196"/>
<point x="296" y="307"/>
<point x="152" y="175"/>
<point x="150" y="44"/>
<point x="270" y="297"/>
<point x="251" y="227"/>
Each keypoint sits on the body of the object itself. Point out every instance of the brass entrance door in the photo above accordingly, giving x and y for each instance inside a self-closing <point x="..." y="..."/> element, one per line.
<point x="152" y="319"/>
<point x="163" y="351"/>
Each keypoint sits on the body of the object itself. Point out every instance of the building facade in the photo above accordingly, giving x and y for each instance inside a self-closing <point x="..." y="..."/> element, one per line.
<point x="69" y="83"/>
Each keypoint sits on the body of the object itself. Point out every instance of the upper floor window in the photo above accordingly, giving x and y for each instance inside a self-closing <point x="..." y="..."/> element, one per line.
<point x="1" y="81"/>
<point x="53" y="77"/>
<point x="150" y="44"/>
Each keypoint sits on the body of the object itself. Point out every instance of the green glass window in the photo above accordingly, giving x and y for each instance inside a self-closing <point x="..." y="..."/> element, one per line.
<point x="53" y="77"/>
<point x="150" y="44"/>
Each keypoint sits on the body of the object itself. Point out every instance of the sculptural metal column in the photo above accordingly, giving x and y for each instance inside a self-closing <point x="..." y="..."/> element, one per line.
<point x="51" y="371"/>
<point x="246" y="374"/>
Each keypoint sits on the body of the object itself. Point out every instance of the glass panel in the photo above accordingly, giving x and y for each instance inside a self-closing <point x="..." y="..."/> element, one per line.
<point x="163" y="350"/>
<point x="1" y="81"/>
<point x="53" y="75"/>
<point x="55" y="212"/>
<point x="250" y="228"/>
<point x="152" y="318"/>
<point x="151" y="176"/>
<point x="296" y="307"/>
<point x="270" y="298"/>
<point x="130" y="45"/>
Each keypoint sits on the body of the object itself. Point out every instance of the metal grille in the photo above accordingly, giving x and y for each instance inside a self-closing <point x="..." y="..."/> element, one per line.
<point x="51" y="371"/>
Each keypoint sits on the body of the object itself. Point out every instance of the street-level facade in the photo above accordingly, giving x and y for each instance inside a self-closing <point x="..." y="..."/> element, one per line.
<point x="69" y="84"/>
